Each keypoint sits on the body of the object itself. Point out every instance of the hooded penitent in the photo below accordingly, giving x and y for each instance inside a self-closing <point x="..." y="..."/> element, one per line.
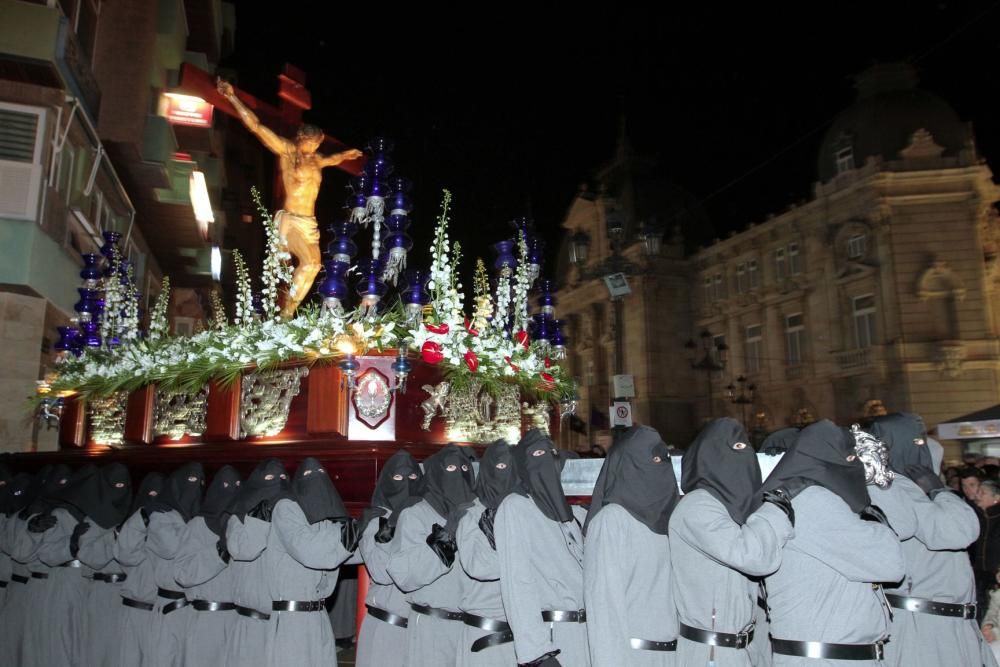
<point x="103" y="495"/>
<point x="498" y="476"/>
<point x="16" y="498"/>
<point x="905" y="436"/>
<point x="638" y="476"/>
<point x="149" y="491"/>
<point x="267" y="483"/>
<point x="824" y="455"/>
<point x="722" y="462"/>
<point x="45" y="488"/>
<point x="398" y="487"/>
<point x="539" y="472"/>
<point x="316" y="494"/>
<point x="183" y="491"/>
<point x="448" y="481"/>
<point x="219" y="498"/>
<point x="778" y="442"/>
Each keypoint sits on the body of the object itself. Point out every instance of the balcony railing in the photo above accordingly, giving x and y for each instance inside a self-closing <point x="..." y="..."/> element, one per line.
<point x="851" y="359"/>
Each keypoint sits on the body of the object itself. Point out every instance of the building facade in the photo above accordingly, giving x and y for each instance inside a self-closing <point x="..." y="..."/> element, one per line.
<point x="883" y="285"/>
<point x="86" y="147"/>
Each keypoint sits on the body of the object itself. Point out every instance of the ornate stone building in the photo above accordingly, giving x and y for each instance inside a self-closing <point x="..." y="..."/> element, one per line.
<point x="883" y="285"/>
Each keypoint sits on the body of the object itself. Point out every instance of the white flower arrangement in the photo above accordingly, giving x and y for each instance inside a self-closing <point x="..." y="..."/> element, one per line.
<point x="277" y="269"/>
<point x="158" y="325"/>
<point x="463" y="348"/>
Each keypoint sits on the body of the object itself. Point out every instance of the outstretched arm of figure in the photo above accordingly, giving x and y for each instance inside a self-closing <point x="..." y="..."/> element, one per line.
<point x="273" y="142"/>
<point x="337" y="158"/>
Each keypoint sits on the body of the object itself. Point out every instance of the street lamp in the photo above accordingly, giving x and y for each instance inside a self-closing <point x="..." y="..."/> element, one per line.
<point x="713" y="358"/>
<point x="615" y="269"/>
<point x="745" y="396"/>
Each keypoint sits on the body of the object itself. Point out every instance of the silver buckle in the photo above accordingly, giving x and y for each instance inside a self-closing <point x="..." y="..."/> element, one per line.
<point x="880" y="649"/>
<point x="969" y="611"/>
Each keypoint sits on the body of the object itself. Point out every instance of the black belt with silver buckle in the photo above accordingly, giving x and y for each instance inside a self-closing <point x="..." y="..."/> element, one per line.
<point x="169" y="594"/>
<point x="252" y="613"/>
<point x="19" y="578"/>
<point x="39" y="575"/>
<point x="72" y="563"/>
<point x="650" y="645"/>
<point x="110" y="578"/>
<point x="387" y="616"/>
<point x="178" y="598"/>
<point x="298" y="605"/>
<point x="205" y="605"/>
<point x="923" y="606"/>
<point x="826" y="651"/>
<point x="556" y="616"/>
<point x="502" y="634"/>
<point x="136" y="604"/>
<point x="739" y="640"/>
<point x="443" y="614"/>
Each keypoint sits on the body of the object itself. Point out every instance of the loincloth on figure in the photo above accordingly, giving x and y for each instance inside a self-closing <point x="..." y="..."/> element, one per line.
<point x="305" y="225"/>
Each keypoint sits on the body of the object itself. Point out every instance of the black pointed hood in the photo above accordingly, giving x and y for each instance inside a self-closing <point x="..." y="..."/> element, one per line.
<point x="638" y="475"/>
<point x="150" y="490"/>
<point x="268" y="482"/>
<point x="219" y="499"/>
<point x="102" y="495"/>
<point x="183" y="491"/>
<point x="395" y="494"/>
<point x="824" y="455"/>
<point x="498" y="477"/>
<point x="49" y="482"/>
<point x="905" y="436"/>
<point x="539" y="471"/>
<point x="316" y="494"/>
<point x="778" y="442"/>
<point x="448" y="481"/>
<point x="17" y="494"/>
<point x="722" y="462"/>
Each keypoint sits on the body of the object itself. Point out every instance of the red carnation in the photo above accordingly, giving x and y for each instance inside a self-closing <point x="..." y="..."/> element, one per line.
<point x="516" y="368"/>
<point x="437" y="328"/>
<point x="548" y="362"/>
<point x="522" y="338"/>
<point x="468" y="327"/>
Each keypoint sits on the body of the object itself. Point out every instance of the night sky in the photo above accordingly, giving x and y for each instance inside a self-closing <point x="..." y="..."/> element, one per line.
<point x="511" y="110"/>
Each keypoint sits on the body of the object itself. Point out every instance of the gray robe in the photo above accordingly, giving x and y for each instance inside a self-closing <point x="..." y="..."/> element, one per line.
<point x="425" y="580"/>
<point x="934" y="535"/>
<point x="627" y="588"/>
<point x="5" y="563"/>
<point x="380" y="644"/>
<point x="248" y="645"/>
<point x="480" y="592"/>
<point x="202" y="575"/>
<point x="139" y="630"/>
<point x="713" y="558"/>
<point x="34" y="648"/>
<point x="541" y="569"/>
<point x="13" y="620"/>
<point x="102" y="616"/>
<point x="64" y="607"/>
<point x="823" y="590"/>
<point x="163" y="542"/>
<point x="299" y="564"/>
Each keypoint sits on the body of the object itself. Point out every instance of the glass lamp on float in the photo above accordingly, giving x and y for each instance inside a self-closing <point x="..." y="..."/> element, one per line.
<point x="402" y="367"/>
<point x="414" y="295"/>
<point x="348" y="365"/>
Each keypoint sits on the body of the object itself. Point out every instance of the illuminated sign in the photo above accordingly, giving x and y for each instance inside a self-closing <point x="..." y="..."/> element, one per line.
<point x="186" y="110"/>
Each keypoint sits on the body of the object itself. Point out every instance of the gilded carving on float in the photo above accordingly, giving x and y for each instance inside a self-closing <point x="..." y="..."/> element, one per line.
<point x="265" y="399"/>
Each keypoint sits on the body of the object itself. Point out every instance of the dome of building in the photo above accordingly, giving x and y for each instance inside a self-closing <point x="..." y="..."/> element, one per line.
<point x="881" y="122"/>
